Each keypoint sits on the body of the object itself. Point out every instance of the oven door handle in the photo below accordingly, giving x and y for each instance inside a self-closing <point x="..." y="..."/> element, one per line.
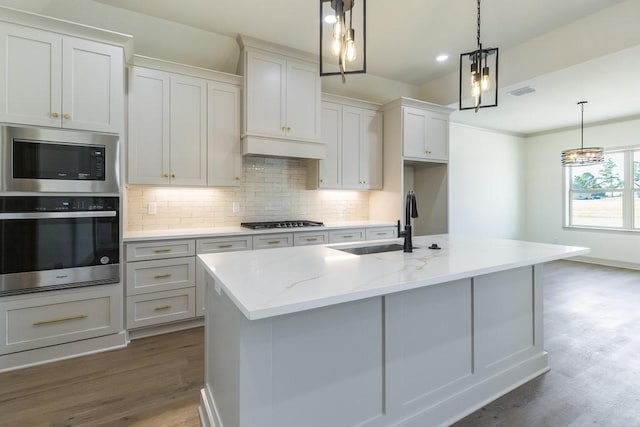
<point x="56" y="215"/>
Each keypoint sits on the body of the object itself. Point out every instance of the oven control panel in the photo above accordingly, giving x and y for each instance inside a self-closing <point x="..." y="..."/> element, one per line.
<point x="57" y="204"/>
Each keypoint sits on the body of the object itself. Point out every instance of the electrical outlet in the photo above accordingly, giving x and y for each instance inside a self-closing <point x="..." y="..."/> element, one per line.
<point x="152" y="208"/>
<point x="236" y="207"/>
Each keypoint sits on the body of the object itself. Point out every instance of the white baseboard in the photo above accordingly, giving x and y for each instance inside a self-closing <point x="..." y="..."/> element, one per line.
<point x="607" y="262"/>
<point x="150" y="331"/>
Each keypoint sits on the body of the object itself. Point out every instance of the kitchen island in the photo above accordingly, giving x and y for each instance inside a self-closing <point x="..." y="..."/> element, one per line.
<point x="316" y="336"/>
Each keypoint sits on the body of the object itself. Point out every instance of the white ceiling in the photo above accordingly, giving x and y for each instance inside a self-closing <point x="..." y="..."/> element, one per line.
<point x="404" y="37"/>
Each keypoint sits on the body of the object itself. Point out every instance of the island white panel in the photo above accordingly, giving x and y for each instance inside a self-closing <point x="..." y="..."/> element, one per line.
<point x="429" y="343"/>
<point x="329" y="366"/>
<point x="504" y="320"/>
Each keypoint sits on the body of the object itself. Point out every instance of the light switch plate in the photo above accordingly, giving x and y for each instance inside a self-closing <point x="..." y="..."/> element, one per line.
<point x="236" y="207"/>
<point x="152" y="208"/>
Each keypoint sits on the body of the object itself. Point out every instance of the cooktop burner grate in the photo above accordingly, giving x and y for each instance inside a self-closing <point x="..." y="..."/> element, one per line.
<point x="280" y="224"/>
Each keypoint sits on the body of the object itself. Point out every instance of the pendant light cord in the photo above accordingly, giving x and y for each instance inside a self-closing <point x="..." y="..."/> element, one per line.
<point x="581" y="104"/>
<point x="478" y="23"/>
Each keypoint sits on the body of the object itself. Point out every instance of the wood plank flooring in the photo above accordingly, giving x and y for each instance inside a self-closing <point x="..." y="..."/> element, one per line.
<point x="592" y="329"/>
<point x="153" y="382"/>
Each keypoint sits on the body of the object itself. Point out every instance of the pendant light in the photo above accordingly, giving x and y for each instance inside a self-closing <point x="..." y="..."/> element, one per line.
<point x="478" y="76"/>
<point x="342" y="37"/>
<point x="582" y="156"/>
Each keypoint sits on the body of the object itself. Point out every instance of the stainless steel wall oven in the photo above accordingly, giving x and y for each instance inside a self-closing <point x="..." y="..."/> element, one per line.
<point x="57" y="242"/>
<point x="59" y="209"/>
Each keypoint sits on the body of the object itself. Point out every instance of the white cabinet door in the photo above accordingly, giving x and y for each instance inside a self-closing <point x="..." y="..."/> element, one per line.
<point x="188" y="118"/>
<point x="437" y="137"/>
<point x="414" y="128"/>
<point x="265" y="86"/>
<point x="303" y="100"/>
<point x="92" y="97"/>
<point x="30" y="76"/>
<point x="371" y="154"/>
<point x="425" y="135"/>
<point x="352" y="135"/>
<point x="224" y="156"/>
<point x="330" y="168"/>
<point x="148" y="144"/>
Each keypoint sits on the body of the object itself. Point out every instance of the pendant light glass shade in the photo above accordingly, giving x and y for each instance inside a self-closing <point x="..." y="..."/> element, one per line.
<point x="478" y="76"/>
<point x="582" y="156"/>
<point x="343" y="37"/>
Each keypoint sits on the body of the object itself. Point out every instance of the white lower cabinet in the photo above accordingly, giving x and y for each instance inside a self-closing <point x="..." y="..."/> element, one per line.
<point x="160" y="307"/>
<point x="214" y="245"/>
<point x="160" y="282"/>
<point x="166" y="283"/>
<point x="57" y="317"/>
<point x="348" y="235"/>
<point x="305" y="238"/>
<point x="380" y="233"/>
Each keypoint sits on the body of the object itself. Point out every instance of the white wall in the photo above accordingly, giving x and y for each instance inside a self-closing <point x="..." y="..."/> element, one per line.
<point x="544" y="192"/>
<point x="486" y="183"/>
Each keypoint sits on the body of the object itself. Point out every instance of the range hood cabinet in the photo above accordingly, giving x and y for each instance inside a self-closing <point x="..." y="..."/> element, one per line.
<point x="282" y="101"/>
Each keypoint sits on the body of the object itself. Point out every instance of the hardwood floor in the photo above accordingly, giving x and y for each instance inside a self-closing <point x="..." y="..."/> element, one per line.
<point x="592" y="325"/>
<point x="153" y="382"/>
<point x="592" y="335"/>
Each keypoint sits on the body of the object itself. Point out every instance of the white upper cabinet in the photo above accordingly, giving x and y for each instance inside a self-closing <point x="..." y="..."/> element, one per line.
<point x="425" y="135"/>
<point x="224" y="156"/>
<point x="188" y="123"/>
<point x="352" y="131"/>
<point x="266" y="110"/>
<point x="51" y="80"/>
<point x="282" y="101"/>
<point x="167" y="128"/>
<point x="183" y="129"/>
<point x="330" y="169"/>
<point x="303" y="100"/>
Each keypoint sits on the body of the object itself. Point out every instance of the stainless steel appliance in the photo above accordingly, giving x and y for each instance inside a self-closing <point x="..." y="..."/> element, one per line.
<point x="49" y="242"/>
<point x="55" y="160"/>
<point x="280" y="224"/>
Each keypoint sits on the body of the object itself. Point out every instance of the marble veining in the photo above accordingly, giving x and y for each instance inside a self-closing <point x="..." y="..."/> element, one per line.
<point x="279" y="281"/>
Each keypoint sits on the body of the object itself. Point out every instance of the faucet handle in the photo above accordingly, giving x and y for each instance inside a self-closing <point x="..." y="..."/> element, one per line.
<point x="399" y="230"/>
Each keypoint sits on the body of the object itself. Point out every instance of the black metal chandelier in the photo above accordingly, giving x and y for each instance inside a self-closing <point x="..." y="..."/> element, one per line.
<point x="479" y="76"/>
<point x="582" y="156"/>
<point x="343" y="37"/>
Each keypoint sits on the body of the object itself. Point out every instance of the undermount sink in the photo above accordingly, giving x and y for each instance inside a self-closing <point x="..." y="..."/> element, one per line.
<point x="365" y="250"/>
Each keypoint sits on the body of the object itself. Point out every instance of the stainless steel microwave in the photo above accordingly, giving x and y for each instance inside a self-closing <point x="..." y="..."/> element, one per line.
<point x="56" y="160"/>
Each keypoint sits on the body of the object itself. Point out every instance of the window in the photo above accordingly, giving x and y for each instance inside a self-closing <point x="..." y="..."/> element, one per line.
<point x="606" y="195"/>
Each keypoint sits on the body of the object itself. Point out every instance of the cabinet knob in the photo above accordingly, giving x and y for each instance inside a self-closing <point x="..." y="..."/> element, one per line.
<point x="288" y="128"/>
<point x="427" y="151"/>
<point x="166" y="175"/>
<point x="322" y="180"/>
<point x="237" y="178"/>
<point x="67" y="116"/>
<point x="55" y="115"/>
<point x="173" y="175"/>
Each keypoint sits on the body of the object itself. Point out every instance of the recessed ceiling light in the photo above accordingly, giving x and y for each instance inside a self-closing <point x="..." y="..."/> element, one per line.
<point x="442" y="58"/>
<point x="330" y="19"/>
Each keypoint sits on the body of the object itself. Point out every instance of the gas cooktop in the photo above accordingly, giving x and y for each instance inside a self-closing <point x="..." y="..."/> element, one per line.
<point x="280" y="224"/>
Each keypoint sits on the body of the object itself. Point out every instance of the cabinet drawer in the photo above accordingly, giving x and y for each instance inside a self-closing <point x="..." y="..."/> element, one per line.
<point x="160" y="307"/>
<point x="160" y="250"/>
<point x="265" y="241"/>
<point x="224" y="244"/>
<point x="350" y="235"/>
<point x="382" y="233"/>
<point x="160" y="275"/>
<point x="55" y="319"/>
<point x="304" y="238"/>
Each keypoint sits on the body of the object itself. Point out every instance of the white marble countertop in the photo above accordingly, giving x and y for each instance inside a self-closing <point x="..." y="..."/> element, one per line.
<point x="273" y="282"/>
<point x="194" y="233"/>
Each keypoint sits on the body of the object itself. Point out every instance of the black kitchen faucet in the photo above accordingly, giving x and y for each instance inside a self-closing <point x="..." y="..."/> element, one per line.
<point x="410" y="211"/>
